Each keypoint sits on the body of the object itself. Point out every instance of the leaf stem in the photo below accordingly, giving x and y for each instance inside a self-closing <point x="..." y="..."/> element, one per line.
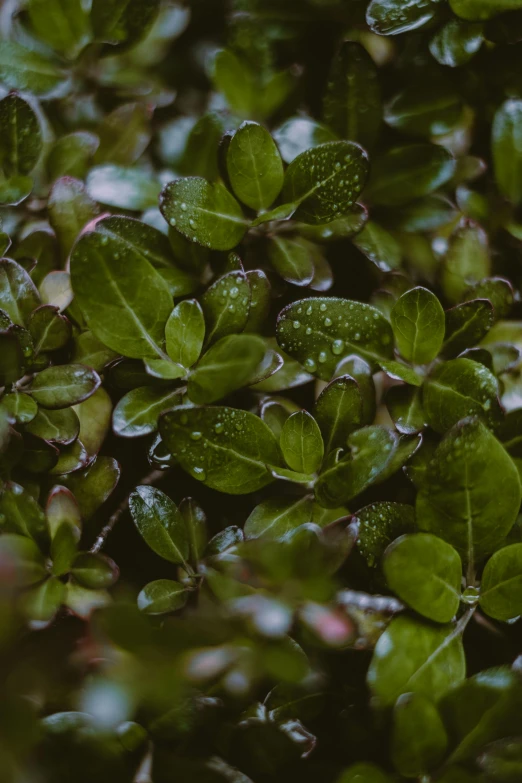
<point x="149" y="479"/>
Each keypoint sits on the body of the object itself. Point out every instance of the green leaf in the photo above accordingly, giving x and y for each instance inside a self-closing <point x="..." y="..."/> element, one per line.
<point x="40" y="604"/>
<point x="370" y="450"/>
<point x="401" y="372"/>
<point x="419" y="739"/>
<point x="352" y="101"/>
<point x="55" y="426"/>
<point x="379" y="524"/>
<point x="196" y="525"/>
<point x="21" y="513"/>
<point x="228" y="450"/>
<point x="479" y="710"/>
<point x="64" y="385"/>
<point x="124" y="134"/>
<point x="94" y="571"/>
<point x="23" y="556"/>
<point x="11" y="359"/>
<point x="404" y="405"/>
<point x="498" y="290"/>
<point x="417" y="320"/>
<point x="15" y="190"/>
<point x="456" y="42"/>
<point x="507" y="157"/>
<point x="260" y="300"/>
<point x="70" y="209"/>
<point x="313" y="181"/>
<point x="235" y="82"/>
<point x="159" y="522"/>
<point x="466" y="325"/>
<point x="125" y="302"/>
<point x="254" y="166"/>
<point x="435" y="661"/>
<point x="302" y="443"/>
<point x="292" y="259"/>
<point x="203" y="212"/>
<point x="405" y="173"/>
<point x="426" y="573"/>
<point x="460" y="388"/>
<point x="379" y="246"/>
<point x="49" y="329"/>
<point x="275" y="518"/>
<point x="320" y="332"/>
<point x="21" y="407"/>
<point x="91" y="487"/>
<point x="123" y="22"/>
<point x="62" y="24"/>
<point x="470" y="495"/>
<point x="71" y="154"/>
<point x="162" y="596"/>
<point x="123" y="187"/>
<point x="226" y="305"/>
<point x="467" y="261"/>
<point x="20" y="136"/>
<point x="501" y="585"/>
<point x="426" y="213"/>
<point x="339" y="411"/>
<point x="28" y="70"/>
<point x="95" y="418"/>
<point x="185" y="332"/>
<point x="137" y="412"/>
<point x="363" y="772"/>
<point x="298" y="134"/>
<point x="18" y="294"/>
<point x="391" y="17"/>
<point x="425" y="113"/>
<point x="228" y="365"/>
<point x="482" y="9"/>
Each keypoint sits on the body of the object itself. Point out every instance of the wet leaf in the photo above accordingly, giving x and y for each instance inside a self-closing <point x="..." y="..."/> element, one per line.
<point x="160" y="523"/>
<point x="254" y="166"/>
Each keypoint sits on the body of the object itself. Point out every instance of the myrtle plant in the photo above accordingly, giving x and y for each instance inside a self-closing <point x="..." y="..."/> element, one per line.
<point x="260" y="391"/>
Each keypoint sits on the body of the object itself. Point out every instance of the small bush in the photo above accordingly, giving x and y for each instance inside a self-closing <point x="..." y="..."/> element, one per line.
<point x="260" y="391"/>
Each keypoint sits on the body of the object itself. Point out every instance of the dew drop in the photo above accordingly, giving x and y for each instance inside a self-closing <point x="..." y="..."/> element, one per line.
<point x="296" y="324"/>
<point x="308" y="330"/>
<point x="322" y="357"/>
<point x="183" y="418"/>
<point x="327" y="321"/>
<point x="196" y="435"/>
<point x="199" y="473"/>
<point x="309" y="310"/>
<point x="234" y="292"/>
<point x="183" y="206"/>
<point x="172" y="221"/>
<point x="310" y="365"/>
<point x="323" y="307"/>
<point x="337" y="347"/>
<point x="219" y="427"/>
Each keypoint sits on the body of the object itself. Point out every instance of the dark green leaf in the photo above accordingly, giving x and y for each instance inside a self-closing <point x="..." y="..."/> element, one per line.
<point x="196" y="525"/>
<point x="391" y="17"/>
<point x="379" y="524"/>
<point x="460" y="388"/>
<point x="426" y="213"/>
<point x="41" y="603"/>
<point x="498" y="290"/>
<point x="138" y="411"/>
<point x="125" y="302"/>
<point x="482" y="9"/>
<point x="339" y="411"/>
<point x="417" y="320"/>
<point x="301" y="443"/>
<point x="185" y="332"/>
<point x="226" y="305"/>
<point x="91" y="487"/>
<point x="162" y="596"/>
<point x="18" y="294"/>
<point x="424" y="112"/>
<point x="21" y="407"/>
<point x="470" y="494"/>
<point x="11" y="358"/>
<point x="506" y="152"/>
<point x="25" y="69"/>
<point x="435" y="661"/>
<point x="158" y="520"/>
<point x="71" y="154"/>
<point x="277" y="517"/>
<point x="379" y="246"/>
<point x="228" y="365"/>
<point x="62" y="24"/>
<point x="65" y="385"/>
<point x="203" y="212"/>
<point x="501" y="585"/>
<point x="363" y="772"/>
<point x="123" y="22"/>
<point x="467" y="261"/>
<point x="425" y="572"/>
<point x="456" y="42"/>
<point x="313" y="181"/>
<point x="352" y="102"/>
<point x="419" y="739"/>
<point x="23" y="556"/>
<point x="260" y="300"/>
<point x="292" y="259"/>
<point x="20" y="136"/>
<point x="227" y="449"/>
<point x="94" y="571"/>
<point x="406" y="173"/>
<point x="124" y="133"/>
<point x="299" y="134"/>
<point x="56" y="426"/>
<point x="49" y="329"/>
<point x="466" y="325"/>
<point x="320" y="332"/>
<point x="404" y="405"/>
<point x="254" y="166"/>
<point x="21" y="513"/>
<point x="70" y="209"/>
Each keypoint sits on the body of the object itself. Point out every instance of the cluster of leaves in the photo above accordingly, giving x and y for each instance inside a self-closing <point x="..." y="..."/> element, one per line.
<point x="328" y="583"/>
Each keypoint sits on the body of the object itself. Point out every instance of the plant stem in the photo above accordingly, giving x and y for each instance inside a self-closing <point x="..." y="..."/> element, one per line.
<point x="150" y="478"/>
